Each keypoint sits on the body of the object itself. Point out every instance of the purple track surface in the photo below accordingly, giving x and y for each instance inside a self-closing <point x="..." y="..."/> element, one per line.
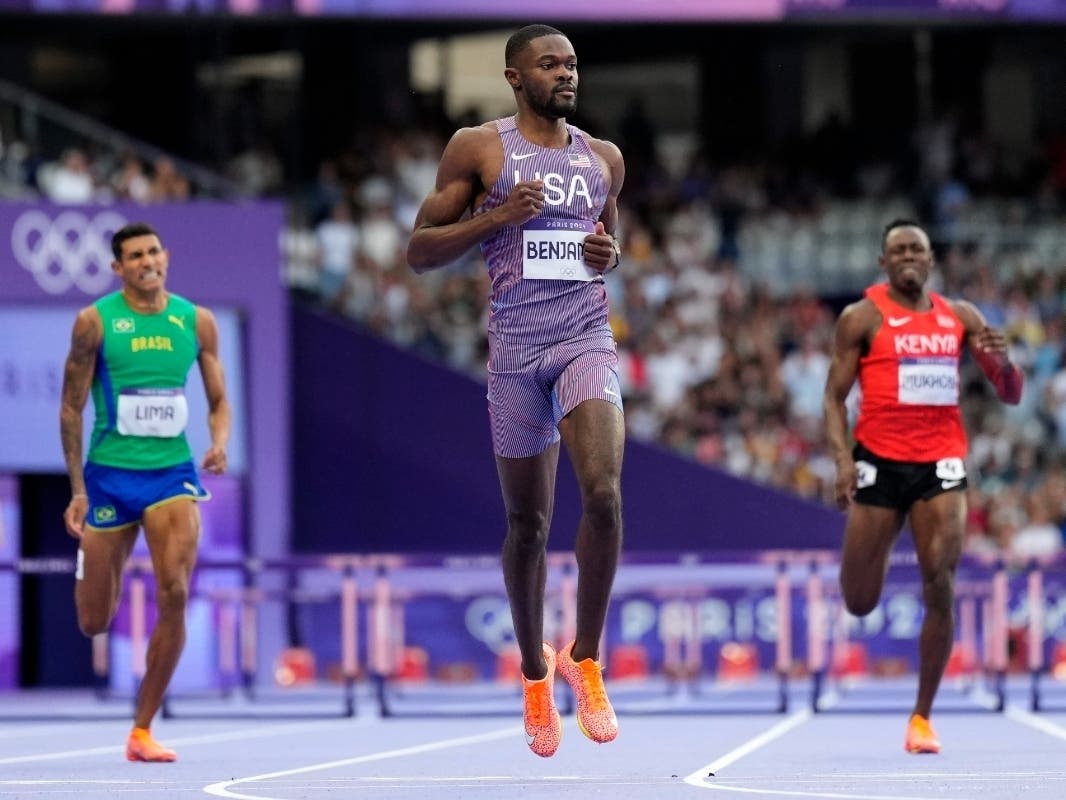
<point x="987" y="755"/>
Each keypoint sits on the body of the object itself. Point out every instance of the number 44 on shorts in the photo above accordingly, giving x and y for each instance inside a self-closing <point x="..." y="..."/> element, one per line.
<point x="950" y="471"/>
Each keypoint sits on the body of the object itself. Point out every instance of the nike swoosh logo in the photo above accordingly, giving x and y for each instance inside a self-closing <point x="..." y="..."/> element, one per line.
<point x="530" y="738"/>
<point x="895" y="322"/>
<point x="950" y="484"/>
<point x="609" y="393"/>
<point x="517" y="157"/>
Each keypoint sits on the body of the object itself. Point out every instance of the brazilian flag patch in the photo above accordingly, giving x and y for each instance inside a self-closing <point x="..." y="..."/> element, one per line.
<point x="104" y="514"/>
<point x="122" y="325"/>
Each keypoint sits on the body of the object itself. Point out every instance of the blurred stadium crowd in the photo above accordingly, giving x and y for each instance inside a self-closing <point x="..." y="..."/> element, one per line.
<point x="732" y="277"/>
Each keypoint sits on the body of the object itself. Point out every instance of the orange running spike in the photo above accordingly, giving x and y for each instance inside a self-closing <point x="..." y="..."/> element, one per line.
<point x="544" y="728"/>
<point x="595" y="716"/>
<point x="140" y="746"/>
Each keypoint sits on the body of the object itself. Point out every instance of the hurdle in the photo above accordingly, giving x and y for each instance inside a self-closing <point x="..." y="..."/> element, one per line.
<point x="693" y="591"/>
<point x="1045" y="597"/>
<point x="675" y="583"/>
<point x="976" y="670"/>
<point x="237" y="609"/>
<point x="406" y="689"/>
<point x="108" y="706"/>
<point x="239" y="694"/>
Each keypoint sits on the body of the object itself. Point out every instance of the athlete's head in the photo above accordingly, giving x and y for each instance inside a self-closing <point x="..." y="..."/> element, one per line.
<point x="542" y="69"/>
<point x="906" y="255"/>
<point x="130" y="231"/>
<point x="140" y="259"/>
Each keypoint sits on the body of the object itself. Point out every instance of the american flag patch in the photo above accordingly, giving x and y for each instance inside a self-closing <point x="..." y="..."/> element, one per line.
<point x="579" y="160"/>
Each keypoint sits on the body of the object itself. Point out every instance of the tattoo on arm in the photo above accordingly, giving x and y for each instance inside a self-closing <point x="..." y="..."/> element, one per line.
<point x="77" y="381"/>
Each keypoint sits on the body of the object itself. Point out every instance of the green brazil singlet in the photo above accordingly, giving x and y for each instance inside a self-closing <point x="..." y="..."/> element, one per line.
<point x="139" y="384"/>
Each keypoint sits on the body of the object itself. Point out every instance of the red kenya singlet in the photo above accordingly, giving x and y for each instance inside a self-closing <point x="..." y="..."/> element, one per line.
<point x="910" y="382"/>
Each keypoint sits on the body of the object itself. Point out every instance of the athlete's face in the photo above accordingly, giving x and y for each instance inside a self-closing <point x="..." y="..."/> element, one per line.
<point x="907" y="258"/>
<point x="143" y="264"/>
<point x="546" y="74"/>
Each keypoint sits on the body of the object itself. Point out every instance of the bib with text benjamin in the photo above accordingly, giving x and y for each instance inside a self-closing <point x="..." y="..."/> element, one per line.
<point x="554" y="250"/>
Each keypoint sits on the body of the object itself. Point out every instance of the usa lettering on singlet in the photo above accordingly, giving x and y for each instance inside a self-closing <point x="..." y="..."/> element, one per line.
<point x="542" y="292"/>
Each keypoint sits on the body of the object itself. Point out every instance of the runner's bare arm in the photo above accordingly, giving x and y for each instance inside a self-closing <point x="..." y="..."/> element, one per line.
<point x="601" y="251"/>
<point x="849" y="342"/>
<point x="442" y="232"/>
<point x="77" y="381"/>
<point x="990" y="351"/>
<point x="219" y="413"/>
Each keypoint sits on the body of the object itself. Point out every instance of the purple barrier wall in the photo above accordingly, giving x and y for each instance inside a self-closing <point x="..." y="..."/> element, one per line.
<point x="396" y="456"/>
<point x="221" y="254"/>
<point x="9" y="586"/>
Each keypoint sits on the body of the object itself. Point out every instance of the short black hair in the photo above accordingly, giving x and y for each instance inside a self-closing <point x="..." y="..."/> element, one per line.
<point x="900" y="222"/>
<point x="130" y="231"/>
<point x="523" y="36"/>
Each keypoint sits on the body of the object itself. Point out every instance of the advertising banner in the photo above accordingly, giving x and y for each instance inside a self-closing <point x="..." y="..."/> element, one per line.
<point x="598" y="10"/>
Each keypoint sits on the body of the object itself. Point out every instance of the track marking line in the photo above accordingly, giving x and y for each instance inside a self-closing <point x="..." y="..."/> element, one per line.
<point x="221" y="789"/>
<point x="776" y="732"/>
<point x="1034" y="721"/>
<point x="208" y="738"/>
<point x="831" y="795"/>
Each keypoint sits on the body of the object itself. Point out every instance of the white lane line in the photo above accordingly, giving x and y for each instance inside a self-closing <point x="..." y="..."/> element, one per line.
<point x="209" y="738"/>
<point x="83" y="782"/>
<point x="221" y="789"/>
<point x="1035" y="721"/>
<point x="750" y="746"/>
<point x="832" y="795"/>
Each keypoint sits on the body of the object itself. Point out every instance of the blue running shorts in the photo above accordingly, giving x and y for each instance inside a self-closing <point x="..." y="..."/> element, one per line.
<point x="119" y="497"/>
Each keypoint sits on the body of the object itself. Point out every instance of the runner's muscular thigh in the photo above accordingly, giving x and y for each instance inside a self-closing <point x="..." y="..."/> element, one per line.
<point x="102" y="558"/>
<point x="939" y="528"/>
<point x="172" y="531"/>
<point x="594" y="433"/>
<point x="868" y="539"/>
<point x="528" y="484"/>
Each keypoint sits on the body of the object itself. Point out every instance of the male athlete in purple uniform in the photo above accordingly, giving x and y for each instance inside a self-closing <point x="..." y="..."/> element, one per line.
<point x="542" y="196"/>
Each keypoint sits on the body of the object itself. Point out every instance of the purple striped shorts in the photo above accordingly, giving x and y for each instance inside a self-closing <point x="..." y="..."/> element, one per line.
<point x="532" y="387"/>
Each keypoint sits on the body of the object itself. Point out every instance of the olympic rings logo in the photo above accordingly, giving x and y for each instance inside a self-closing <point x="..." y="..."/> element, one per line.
<point x="71" y="250"/>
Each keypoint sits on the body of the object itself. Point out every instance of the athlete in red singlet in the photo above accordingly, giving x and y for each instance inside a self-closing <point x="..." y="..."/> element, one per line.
<point x="903" y="343"/>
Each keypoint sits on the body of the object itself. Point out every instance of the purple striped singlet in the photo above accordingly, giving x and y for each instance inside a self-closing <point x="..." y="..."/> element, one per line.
<point x="550" y="345"/>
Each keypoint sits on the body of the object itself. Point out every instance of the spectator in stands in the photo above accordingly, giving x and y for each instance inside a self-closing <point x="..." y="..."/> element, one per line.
<point x="70" y="180"/>
<point x="130" y="182"/>
<point x="168" y="184"/>
<point x="338" y="241"/>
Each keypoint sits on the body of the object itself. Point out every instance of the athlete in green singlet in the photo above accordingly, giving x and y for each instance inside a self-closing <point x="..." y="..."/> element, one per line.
<point x="133" y="350"/>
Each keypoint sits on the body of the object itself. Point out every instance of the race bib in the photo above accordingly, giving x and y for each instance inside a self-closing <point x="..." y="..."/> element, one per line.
<point x="865" y="474"/>
<point x="554" y="250"/>
<point x="951" y="469"/>
<point x="929" y="381"/>
<point x="152" y="412"/>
